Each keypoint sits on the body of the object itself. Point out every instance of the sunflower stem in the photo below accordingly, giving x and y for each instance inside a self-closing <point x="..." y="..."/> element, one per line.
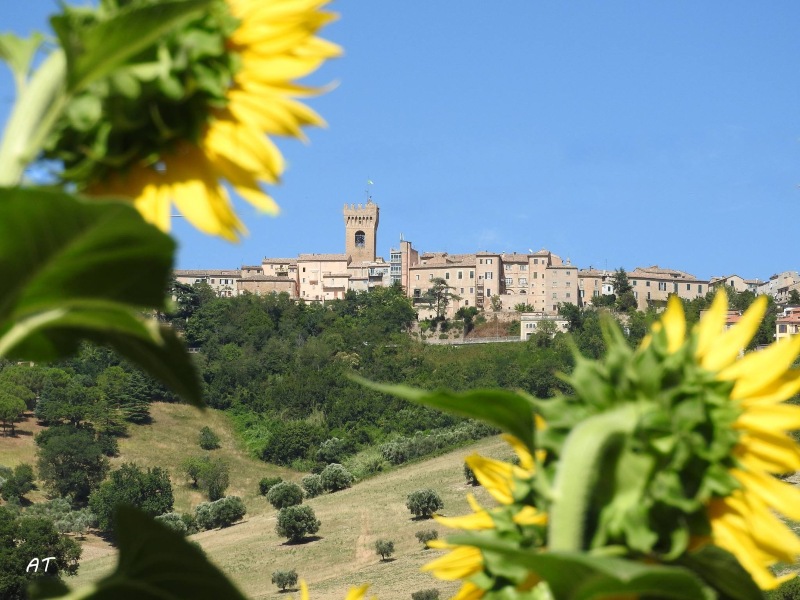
<point x="35" y="112"/>
<point x="584" y="451"/>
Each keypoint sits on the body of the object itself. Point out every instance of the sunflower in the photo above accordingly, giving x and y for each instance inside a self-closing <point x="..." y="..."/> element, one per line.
<point x="355" y="593"/>
<point x="205" y="119"/>
<point x="743" y="522"/>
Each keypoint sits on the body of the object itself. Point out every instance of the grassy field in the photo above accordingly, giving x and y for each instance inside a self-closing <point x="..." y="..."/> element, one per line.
<point x="352" y="520"/>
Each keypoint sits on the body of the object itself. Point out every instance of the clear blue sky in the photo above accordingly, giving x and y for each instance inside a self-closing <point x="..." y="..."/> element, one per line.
<point x="613" y="133"/>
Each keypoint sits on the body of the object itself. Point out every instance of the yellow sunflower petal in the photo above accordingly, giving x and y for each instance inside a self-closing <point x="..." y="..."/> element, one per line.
<point x="528" y="515"/>
<point x="780" y="496"/>
<point x="729" y="344"/>
<point x="771" y="535"/>
<point x="461" y="562"/>
<point x="674" y="323"/>
<point x="772" y="452"/>
<point x="356" y="593"/>
<point x="475" y="522"/>
<point x="469" y="591"/>
<point x="759" y="369"/>
<point x="303" y="590"/>
<point x="521" y="450"/>
<point x="712" y="323"/>
<point x="780" y="389"/>
<point x="495" y="476"/>
<point x="770" y="418"/>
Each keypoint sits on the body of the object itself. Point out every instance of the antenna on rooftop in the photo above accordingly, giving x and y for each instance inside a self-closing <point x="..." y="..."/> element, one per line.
<point x="366" y="191"/>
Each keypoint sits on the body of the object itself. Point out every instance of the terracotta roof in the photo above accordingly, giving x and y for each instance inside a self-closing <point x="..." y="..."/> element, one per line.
<point x="515" y="258"/>
<point x="323" y="257"/>
<point x="656" y="271"/>
<point x="268" y="278"/>
<point x="282" y="261"/>
<point x="207" y="272"/>
<point x="594" y="273"/>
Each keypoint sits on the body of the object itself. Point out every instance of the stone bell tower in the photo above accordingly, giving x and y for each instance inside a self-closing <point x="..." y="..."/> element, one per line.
<point x="361" y="231"/>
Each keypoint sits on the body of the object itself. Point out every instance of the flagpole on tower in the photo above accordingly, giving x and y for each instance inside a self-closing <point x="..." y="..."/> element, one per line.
<point x="366" y="191"/>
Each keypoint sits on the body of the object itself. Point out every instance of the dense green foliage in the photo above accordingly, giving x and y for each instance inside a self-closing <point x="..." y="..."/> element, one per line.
<point x="18" y="483"/>
<point x="312" y="485"/>
<point x="71" y="462"/>
<point x="150" y="491"/>
<point x="64" y="517"/>
<point x="267" y="483"/>
<point x="23" y="538"/>
<point x="284" y="579"/>
<point x="220" y="513"/>
<point x="384" y="548"/>
<point x="211" y="475"/>
<point x="335" y="477"/>
<point x="208" y="440"/>
<point x="423" y="503"/>
<point x="426" y="535"/>
<point x="295" y="522"/>
<point x="174" y="521"/>
<point x="285" y="494"/>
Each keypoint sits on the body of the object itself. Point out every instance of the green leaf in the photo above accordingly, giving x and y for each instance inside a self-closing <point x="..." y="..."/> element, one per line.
<point x="95" y="49"/>
<point x="156" y="563"/>
<point x="722" y="571"/>
<point x="511" y="412"/>
<point x="583" y="576"/>
<point x="18" y="54"/>
<point x="75" y="270"/>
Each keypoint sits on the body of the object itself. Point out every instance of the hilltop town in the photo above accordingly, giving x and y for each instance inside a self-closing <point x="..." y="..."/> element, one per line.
<point x="540" y="281"/>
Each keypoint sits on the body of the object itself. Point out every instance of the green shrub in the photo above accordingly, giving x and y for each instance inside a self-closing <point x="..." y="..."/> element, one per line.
<point x="191" y="523"/>
<point x="335" y="477"/>
<point x="423" y="503"/>
<point x="211" y="475"/>
<point x="426" y="535"/>
<point x="284" y="579"/>
<point x="285" y="494"/>
<point x="267" y="483"/>
<point x="295" y="522"/>
<point x="208" y="439"/>
<point x="469" y="475"/>
<point x="291" y="440"/>
<point x="384" y="548"/>
<point x="789" y="590"/>
<point x="108" y="443"/>
<point x="174" y="521"/>
<point x="429" y="594"/>
<point x="420" y="444"/>
<point x="312" y="484"/>
<point x="18" y="483"/>
<point x="332" y="450"/>
<point x="220" y="513"/>
<point x="149" y="491"/>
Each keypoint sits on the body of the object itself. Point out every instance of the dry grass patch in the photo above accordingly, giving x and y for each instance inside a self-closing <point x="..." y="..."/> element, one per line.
<point x="352" y="520"/>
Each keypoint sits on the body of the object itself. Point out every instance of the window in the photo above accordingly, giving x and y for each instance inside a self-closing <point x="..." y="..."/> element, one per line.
<point x="488" y="275"/>
<point x="523" y="281"/>
<point x="647" y="283"/>
<point x="472" y="274"/>
<point x="636" y="295"/>
<point x="568" y="294"/>
<point x="555" y="284"/>
<point x="462" y="291"/>
<point x="781" y="328"/>
<point x="633" y="283"/>
<point x="662" y="286"/>
<point x="488" y="261"/>
<point x="360" y="239"/>
<point x="212" y="281"/>
<point x="688" y="286"/>
<point x="675" y="287"/>
<point x="568" y="283"/>
<point x="460" y="275"/>
<point x="597" y="293"/>
<point x="535" y="275"/>
<point x="581" y="294"/>
<point x="416" y="293"/>
<point x="480" y="261"/>
<point x="304" y="280"/>
<point x="472" y="290"/>
<point x="536" y="261"/>
<point x="523" y="267"/>
<point x="648" y="295"/>
<point x="555" y="295"/>
<point x="700" y="289"/>
<point x="430" y="276"/>
<point x="447" y="275"/>
<point x="488" y="292"/>
<point x="568" y="273"/>
<point x="417" y="275"/>
<point x="304" y="269"/>
<point x="509" y="281"/>
<point x="509" y="267"/>
<point x="466" y="302"/>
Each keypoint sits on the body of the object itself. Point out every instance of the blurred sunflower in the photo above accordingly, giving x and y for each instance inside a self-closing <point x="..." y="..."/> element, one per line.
<point x="743" y="522"/>
<point x="196" y="112"/>
<point x="355" y="593"/>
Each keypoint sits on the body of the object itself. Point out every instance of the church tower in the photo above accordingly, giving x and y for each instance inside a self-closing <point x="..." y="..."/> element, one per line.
<point x="361" y="231"/>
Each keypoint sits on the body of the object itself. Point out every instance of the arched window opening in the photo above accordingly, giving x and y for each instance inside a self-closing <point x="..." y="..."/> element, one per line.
<point x="360" y="239"/>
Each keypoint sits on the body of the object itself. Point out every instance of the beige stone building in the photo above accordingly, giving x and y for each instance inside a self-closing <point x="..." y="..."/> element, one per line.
<point x="322" y="276"/>
<point x="653" y="285"/>
<point x="593" y="283"/>
<point x="779" y="284"/>
<point x="222" y="281"/>
<point x="561" y="286"/>
<point x="735" y="282"/>
<point x="530" y="323"/>
<point x="788" y="324"/>
<point x="459" y="272"/>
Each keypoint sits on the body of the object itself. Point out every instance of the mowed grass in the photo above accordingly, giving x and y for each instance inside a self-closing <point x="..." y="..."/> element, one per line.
<point x="343" y="554"/>
<point x="22" y="449"/>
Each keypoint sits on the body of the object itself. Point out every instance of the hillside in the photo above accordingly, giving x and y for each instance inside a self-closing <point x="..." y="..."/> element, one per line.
<point x="351" y="519"/>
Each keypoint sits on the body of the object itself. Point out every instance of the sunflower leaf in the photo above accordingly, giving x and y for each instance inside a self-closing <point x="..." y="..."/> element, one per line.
<point x="95" y="48"/>
<point x="723" y="572"/>
<point x="18" y="53"/>
<point x="511" y="412"/>
<point x="77" y="270"/>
